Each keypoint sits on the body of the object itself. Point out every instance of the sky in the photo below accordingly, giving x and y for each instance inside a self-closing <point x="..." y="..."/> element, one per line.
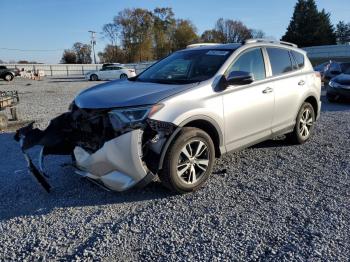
<point x="54" y="25"/>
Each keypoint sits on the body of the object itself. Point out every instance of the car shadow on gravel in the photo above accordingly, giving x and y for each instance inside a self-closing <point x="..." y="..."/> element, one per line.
<point x="21" y="195"/>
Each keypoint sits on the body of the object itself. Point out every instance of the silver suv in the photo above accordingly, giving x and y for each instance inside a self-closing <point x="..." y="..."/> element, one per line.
<point x="177" y="116"/>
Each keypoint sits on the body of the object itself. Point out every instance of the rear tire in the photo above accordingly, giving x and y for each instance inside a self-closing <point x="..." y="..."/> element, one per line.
<point x="189" y="161"/>
<point x="93" y="77"/>
<point x="3" y="121"/>
<point x="8" y="77"/>
<point x="304" y="125"/>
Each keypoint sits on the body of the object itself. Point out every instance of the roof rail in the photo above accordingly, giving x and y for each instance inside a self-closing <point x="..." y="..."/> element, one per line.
<point x="262" y="40"/>
<point x="201" y="44"/>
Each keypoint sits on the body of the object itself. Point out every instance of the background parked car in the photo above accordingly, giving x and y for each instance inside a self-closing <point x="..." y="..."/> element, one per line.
<point x="7" y="74"/>
<point x="110" y="73"/>
<point x="322" y="68"/>
<point x="334" y="69"/>
<point x="339" y="87"/>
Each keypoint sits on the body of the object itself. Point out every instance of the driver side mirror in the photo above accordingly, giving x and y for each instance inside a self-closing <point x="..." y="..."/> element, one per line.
<point x="239" y="78"/>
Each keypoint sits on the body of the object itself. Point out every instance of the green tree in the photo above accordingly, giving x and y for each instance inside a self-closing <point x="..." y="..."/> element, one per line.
<point x="82" y="52"/>
<point x="136" y="27"/>
<point x="326" y="35"/>
<point x="308" y="26"/>
<point x="343" y="33"/>
<point x="68" y="57"/>
<point x="184" y="34"/>
<point x="163" y="27"/>
<point x="112" y="54"/>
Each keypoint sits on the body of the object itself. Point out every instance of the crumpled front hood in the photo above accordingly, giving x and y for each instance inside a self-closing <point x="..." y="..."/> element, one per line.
<point x="343" y="79"/>
<point x="124" y="93"/>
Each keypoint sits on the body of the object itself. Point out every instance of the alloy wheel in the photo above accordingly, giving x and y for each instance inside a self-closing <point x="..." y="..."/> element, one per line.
<point x="8" y="77"/>
<point x="305" y="124"/>
<point x="193" y="161"/>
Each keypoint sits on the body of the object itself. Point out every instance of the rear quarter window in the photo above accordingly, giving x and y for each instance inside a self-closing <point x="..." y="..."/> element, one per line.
<point x="299" y="58"/>
<point x="280" y="61"/>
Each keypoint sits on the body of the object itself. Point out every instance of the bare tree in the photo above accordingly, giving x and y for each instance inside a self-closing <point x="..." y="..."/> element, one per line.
<point x="111" y="32"/>
<point x="212" y="36"/>
<point x="258" y="33"/>
<point x="232" y="31"/>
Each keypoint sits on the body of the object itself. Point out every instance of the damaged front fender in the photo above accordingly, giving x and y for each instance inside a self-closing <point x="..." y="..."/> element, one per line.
<point x="117" y="158"/>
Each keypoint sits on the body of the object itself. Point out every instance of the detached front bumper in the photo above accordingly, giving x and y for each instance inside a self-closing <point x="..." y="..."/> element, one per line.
<point x="118" y="164"/>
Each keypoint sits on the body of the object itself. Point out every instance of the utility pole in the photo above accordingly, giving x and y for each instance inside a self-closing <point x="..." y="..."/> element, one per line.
<point x="93" y="43"/>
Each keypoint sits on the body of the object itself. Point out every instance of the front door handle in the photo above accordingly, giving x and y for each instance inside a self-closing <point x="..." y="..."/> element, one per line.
<point x="301" y="82"/>
<point x="267" y="90"/>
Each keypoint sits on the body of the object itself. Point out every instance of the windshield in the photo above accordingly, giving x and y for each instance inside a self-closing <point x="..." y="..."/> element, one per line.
<point x="185" y="67"/>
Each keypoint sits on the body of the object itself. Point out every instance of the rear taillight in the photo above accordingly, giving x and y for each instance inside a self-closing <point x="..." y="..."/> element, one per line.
<point x="131" y="70"/>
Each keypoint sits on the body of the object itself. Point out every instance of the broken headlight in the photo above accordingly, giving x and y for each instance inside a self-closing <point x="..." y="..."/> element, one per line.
<point x="121" y="118"/>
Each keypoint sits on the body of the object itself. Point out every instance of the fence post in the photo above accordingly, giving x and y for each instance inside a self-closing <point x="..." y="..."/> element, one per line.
<point x="82" y="69"/>
<point x="67" y="70"/>
<point x="51" y="69"/>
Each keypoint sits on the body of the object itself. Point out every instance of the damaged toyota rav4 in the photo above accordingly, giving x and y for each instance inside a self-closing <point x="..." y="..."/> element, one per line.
<point x="176" y="117"/>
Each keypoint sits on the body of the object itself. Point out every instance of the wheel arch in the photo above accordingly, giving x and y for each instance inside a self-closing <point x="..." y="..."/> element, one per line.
<point x="313" y="101"/>
<point x="205" y="123"/>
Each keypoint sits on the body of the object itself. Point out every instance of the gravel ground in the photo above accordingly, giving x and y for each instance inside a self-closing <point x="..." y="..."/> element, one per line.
<point x="275" y="201"/>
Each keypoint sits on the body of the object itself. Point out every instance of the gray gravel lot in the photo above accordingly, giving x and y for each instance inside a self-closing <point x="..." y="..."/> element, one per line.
<point x="275" y="202"/>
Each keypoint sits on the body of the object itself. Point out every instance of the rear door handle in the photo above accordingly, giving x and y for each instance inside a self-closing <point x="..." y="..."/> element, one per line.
<point x="267" y="90"/>
<point x="301" y="82"/>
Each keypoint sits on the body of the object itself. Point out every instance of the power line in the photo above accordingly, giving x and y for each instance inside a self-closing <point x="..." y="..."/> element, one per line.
<point x="31" y="50"/>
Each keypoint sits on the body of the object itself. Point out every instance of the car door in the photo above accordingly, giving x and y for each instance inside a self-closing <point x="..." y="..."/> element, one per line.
<point x="248" y="109"/>
<point x="287" y="82"/>
<point x="103" y="73"/>
<point x="114" y="73"/>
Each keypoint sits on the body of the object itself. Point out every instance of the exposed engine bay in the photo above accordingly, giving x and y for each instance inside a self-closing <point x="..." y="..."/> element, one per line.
<point x="104" y="144"/>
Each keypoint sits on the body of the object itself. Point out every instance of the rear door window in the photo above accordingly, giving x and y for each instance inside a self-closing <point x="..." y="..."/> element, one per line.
<point x="280" y="61"/>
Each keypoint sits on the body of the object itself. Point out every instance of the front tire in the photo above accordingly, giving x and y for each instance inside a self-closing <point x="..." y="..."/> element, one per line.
<point x="189" y="161"/>
<point x="304" y="124"/>
<point x="123" y="76"/>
